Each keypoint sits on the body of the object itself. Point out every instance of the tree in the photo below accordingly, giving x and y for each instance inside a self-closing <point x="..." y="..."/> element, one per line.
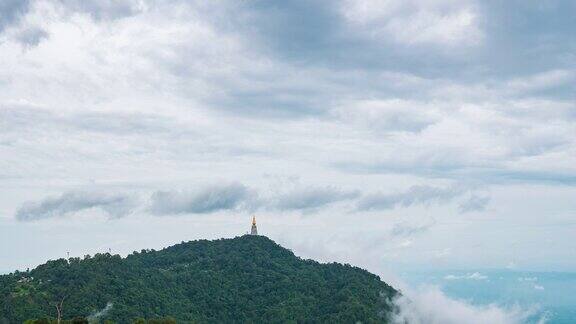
<point x="59" y="309"/>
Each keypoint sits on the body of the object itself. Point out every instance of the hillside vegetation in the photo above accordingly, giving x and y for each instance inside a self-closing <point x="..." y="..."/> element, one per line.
<point x="240" y="280"/>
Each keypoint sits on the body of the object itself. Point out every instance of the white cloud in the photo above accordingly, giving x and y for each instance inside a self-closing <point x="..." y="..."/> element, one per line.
<point x="511" y="265"/>
<point x="389" y="115"/>
<point x="470" y="276"/>
<point x="541" y="81"/>
<point x="432" y="306"/>
<point x="162" y="96"/>
<point x="405" y="243"/>
<point x="101" y="313"/>
<point x="441" y="22"/>
<point x="446" y="252"/>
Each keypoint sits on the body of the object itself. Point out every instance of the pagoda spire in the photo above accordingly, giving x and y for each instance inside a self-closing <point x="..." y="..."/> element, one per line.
<point x="254" y="229"/>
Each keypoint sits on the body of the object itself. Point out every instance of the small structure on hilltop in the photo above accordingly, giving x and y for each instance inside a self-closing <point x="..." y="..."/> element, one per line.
<point x="254" y="229"/>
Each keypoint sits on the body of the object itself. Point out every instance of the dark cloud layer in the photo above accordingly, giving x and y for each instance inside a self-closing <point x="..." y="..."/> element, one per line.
<point x="11" y="10"/>
<point x="31" y="36"/>
<point x="104" y="9"/>
<point x="529" y="36"/>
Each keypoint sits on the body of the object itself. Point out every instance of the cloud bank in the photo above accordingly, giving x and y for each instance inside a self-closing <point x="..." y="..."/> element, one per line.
<point x="201" y="201"/>
<point x="114" y="205"/>
<point x="312" y="197"/>
<point x="239" y="198"/>
<point x="432" y="306"/>
<point x="415" y="195"/>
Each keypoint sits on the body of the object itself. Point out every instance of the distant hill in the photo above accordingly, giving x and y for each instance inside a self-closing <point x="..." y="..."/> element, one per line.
<point x="240" y="280"/>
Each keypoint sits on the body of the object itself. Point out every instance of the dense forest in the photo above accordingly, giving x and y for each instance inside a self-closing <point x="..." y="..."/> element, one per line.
<point x="240" y="280"/>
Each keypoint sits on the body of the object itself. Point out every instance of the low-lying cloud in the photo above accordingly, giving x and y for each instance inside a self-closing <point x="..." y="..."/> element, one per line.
<point x="432" y="306"/>
<point x="113" y="204"/>
<point x="313" y="197"/>
<point x="94" y="318"/>
<point x="415" y="195"/>
<point x="469" y="276"/>
<point x="201" y="201"/>
<point x="241" y="198"/>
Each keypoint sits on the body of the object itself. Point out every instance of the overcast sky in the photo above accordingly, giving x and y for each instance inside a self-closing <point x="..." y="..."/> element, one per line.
<point x="409" y="134"/>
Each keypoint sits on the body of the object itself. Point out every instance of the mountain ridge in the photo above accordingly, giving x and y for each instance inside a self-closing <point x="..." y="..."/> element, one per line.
<point x="239" y="280"/>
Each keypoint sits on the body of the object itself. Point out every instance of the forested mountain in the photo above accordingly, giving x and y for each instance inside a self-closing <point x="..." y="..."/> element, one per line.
<point x="240" y="280"/>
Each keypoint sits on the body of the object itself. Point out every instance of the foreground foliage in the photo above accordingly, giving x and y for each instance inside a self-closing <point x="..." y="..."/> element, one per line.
<point x="245" y="279"/>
